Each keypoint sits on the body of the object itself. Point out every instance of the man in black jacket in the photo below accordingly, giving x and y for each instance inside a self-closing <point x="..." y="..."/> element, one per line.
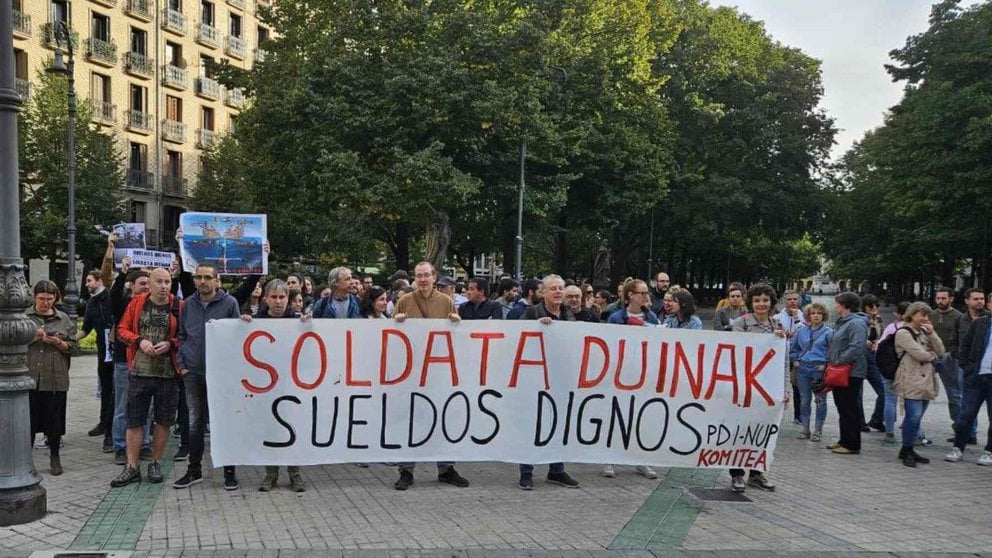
<point x="976" y="362"/>
<point x="478" y="306"/>
<point x="99" y="317"/>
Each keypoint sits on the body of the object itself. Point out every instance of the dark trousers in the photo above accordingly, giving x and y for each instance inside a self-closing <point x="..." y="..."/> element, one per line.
<point x="182" y="413"/>
<point x="977" y="392"/>
<point x="846" y="399"/>
<point x="796" y="411"/>
<point x="105" y="371"/>
<point x="874" y="379"/>
<point x="195" y="390"/>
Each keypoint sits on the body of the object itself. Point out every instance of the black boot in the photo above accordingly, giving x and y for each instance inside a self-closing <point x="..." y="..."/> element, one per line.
<point x="908" y="457"/>
<point x="919" y="458"/>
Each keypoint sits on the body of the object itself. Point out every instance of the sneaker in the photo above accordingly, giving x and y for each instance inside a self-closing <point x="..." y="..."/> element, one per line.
<point x="269" y="482"/>
<point x="108" y="446"/>
<point x="526" y="481"/>
<point x="646" y="472"/>
<point x="865" y="428"/>
<point x="985" y="458"/>
<point x="737" y="483"/>
<point x="296" y="483"/>
<point x="923" y="441"/>
<point x="844" y="451"/>
<point x="174" y="430"/>
<point x="804" y="435"/>
<point x="834" y="445"/>
<point x="955" y="455"/>
<point x="231" y="480"/>
<point x="154" y="472"/>
<point x="42" y="443"/>
<point x="189" y="479"/>
<point x="362" y="465"/>
<point x="146" y="454"/>
<point x="405" y="481"/>
<point x="127" y="476"/>
<point x="759" y="480"/>
<point x="182" y="454"/>
<point x="97" y="430"/>
<point x="815" y="437"/>
<point x="877" y="425"/>
<point x="608" y="472"/>
<point x="890" y="438"/>
<point x="452" y="477"/>
<point x="120" y="457"/>
<point x="562" y="479"/>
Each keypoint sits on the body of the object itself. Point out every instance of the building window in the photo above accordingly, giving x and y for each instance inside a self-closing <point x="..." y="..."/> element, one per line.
<point x="207" y="13"/>
<point x="235" y="30"/>
<point x="20" y="64"/>
<point x="207" y="118"/>
<point x="207" y="66"/>
<point x="100" y="27"/>
<point x="138" y="158"/>
<point x="173" y="108"/>
<point x="173" y="163"/>
<point x="139" y="41"/>
<point x="60" y="11"/>
<point x="234" y="124"/>
<point x="263" y="35"/>
<point x="139" y="211"/>
<point x="139" y="98"/>
<point x="100" y="88"/>
<point x="176" y="5"/>
<point x="174" y="54"/>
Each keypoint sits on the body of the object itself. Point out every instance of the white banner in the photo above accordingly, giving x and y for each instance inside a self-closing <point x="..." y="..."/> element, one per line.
<point x="285" y="392"/>
<point x="150" y="258"/>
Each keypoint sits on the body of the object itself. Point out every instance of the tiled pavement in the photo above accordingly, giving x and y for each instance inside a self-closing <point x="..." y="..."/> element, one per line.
<point x="824" y="504"/>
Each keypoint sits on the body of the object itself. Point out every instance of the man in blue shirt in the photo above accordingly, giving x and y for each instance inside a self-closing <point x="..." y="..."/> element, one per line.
<point x="976" y="362"/>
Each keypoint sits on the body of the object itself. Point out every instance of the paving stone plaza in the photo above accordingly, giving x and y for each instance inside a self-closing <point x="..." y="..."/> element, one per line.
<point x="824" y="503"/>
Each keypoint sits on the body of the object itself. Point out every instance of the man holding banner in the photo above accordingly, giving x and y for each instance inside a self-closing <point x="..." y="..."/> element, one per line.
<point x="426" y="302"/>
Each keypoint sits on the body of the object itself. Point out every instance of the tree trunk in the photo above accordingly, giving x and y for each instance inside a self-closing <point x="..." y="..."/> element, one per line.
<point x="438" y="236"/>
<point x="401" y="251"/>
<point x="561" y="248"/>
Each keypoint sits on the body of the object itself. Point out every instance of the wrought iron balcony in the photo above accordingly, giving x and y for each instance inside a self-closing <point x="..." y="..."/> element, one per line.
<point x="260" y="55"/>
<point x="107" y="3"/>
<point x="208" y="35"/>
<point x="240" y="4"/>
<point x="138" y="121"/>
<point x="104" y="112"/>
<point x="22" y="24"/>
<point x="101" y="52"/>
<point x="140" y="9"/>
<point x="23" y="87"/>
<point x="205" y="138"/>
<point x="174" y="21"/>
<point x="139" y="179"/>
<point x="173" y="131"/>
<point x="234" y="98"/>
<point x="49" y="37"/>
<point x="236" y="47"/>
<point x="208" y="88"/>
<point x="138" y="64"/>
<point x="174" y="77"/>
<point x="173" y="185"/>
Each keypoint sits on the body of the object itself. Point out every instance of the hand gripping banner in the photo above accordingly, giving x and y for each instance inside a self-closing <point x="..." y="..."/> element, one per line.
<point x="285" y="392"/>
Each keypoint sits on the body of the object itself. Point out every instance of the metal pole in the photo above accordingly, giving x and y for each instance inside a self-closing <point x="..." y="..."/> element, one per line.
<point x="651" y="249"/>
<point x="71" y="284"/>
<point x="519" y="240"/>
<point x="22" y="499"/>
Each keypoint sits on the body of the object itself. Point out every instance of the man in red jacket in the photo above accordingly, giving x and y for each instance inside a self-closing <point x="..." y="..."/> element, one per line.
<point x="148" y="329"/>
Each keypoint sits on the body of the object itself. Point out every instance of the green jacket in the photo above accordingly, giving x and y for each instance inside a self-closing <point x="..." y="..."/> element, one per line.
<point x="47" y="365"/>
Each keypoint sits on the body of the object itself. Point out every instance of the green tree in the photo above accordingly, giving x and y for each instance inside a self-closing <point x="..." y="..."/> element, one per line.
<point x="43" y="125"/>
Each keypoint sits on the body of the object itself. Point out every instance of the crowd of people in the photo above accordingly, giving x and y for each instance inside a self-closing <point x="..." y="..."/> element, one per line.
<point x="151" y="354"/>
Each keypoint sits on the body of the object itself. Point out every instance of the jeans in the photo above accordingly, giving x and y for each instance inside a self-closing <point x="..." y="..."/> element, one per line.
<point x="977" y="391"/>
<point x="911" y="422"/>
<point x="947" y="368"/>
<point x="105" y="371"/>
<point x="875" y="380"/>
<point x="121" y="381"/>
<point x="195" y="388"/>
<point x="891" y="401"/>
<point x="526" y="469"/>
<point x="805" y="376"/>
<point x="846" y="400"/>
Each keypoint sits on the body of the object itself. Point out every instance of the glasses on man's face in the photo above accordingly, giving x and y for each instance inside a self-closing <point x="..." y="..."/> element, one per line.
<point x="203" y="277"/>
<point x="642" y="293"/>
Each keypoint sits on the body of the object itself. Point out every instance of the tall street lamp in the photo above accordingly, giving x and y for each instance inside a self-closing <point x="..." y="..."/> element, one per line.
<point x="519" y="240"/>
<point x="63" y="36"/>
<point x="22" y="498"/>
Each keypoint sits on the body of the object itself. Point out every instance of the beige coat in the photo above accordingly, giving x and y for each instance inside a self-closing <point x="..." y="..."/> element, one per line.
<point x="915" y="377"/>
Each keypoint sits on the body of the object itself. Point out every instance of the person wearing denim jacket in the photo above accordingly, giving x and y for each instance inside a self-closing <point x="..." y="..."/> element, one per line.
<point x="808" y="354"/>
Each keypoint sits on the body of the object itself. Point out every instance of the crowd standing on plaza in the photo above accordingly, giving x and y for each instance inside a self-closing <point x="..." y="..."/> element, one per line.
<point x="150" y="329"/>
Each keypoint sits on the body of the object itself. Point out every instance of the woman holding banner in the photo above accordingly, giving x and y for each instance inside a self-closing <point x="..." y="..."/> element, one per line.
<point x="637" y="312"/>
<point x="760" y="299"/>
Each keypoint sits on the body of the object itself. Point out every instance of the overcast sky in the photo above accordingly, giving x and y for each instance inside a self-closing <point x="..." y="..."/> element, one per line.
<point x="852" y="38"/>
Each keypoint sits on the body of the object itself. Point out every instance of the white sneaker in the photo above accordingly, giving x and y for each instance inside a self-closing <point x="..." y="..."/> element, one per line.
<point x="956" y="455"/>
<point x="986" y="458"/>
<point x="608" y="472"/>
<point x="41" y="443"/>
<point x="648" y="472"/>
<point x="737" y="483"/>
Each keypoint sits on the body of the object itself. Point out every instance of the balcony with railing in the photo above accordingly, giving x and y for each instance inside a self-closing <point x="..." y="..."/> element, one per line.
<point x="174" y="77"/>
<point x="138" y="121"/>
<point x="107" y="3"/>
<point x="104" y="112"/>
<point x="239" y="4"/>
<point x="141" y="9"/>
<point x="23" y="87"/>
<point x="207" y="88"/>
<point x="236" y="47"/>
<point x="101" y="52"/>
<point x="139" y="179"/>
<point x="173" y="185"/>
<point x="138" y="64"/>
<point x="207" y="35"/>
<point x="22" y="24"/>
<point x="260" y="55"/>
<point x="49" y="36"/>
<point x="173" y="131"/>
<point x="205" y="138"/>
<point x="234" y="98"/>
<point x="174" y="21"/>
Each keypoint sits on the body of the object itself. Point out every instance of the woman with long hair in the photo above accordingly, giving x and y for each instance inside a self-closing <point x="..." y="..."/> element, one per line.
<point x="374" y="302"/>
<point x="683" y="312"/>
<point x="918" y="347"/>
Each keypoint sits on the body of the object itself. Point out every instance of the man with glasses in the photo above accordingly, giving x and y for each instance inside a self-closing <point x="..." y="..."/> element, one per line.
<point x="209" y="303"/>
<point x="573" y="299"/>
<point x="661" y="284"/>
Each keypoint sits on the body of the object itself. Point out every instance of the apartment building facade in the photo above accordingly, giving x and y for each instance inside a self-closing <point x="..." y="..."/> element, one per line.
<point x="142" y="65"/>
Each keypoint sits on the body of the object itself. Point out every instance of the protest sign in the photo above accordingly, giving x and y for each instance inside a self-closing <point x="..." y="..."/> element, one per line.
<point x="130" y="236"/>
<point x="329" y="391"/>
<point x="233" y="243"/>
<point x="150" y="258"/>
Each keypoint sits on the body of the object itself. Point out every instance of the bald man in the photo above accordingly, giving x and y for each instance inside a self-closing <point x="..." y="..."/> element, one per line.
<point x="148" y="329"/>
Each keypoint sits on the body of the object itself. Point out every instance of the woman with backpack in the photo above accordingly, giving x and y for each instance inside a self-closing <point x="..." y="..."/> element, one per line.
<point x="918" y="347"/>
<point x="808" y="355"/>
